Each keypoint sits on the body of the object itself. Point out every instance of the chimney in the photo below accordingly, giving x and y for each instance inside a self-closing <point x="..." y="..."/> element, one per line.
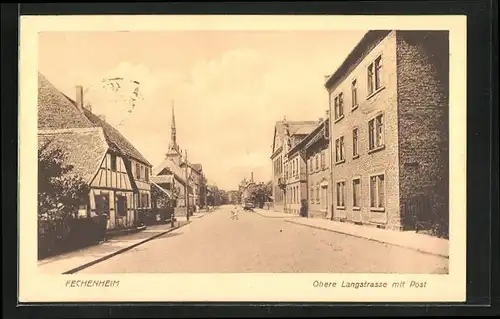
<point x="326" y="77"/>
<point x="102" y="117"/>
<point x="327" y="113"/>
<point x="79" y="96"/>
<point x="320" y="120"/>
<point x="251" y="177"/>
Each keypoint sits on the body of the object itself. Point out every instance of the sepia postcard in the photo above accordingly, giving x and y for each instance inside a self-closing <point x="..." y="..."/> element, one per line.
<point x="242" y="158"/>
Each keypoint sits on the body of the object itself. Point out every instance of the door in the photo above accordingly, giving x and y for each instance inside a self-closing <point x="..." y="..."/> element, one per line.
<point x="102" y="207"/>
<point x="326" y="204"/>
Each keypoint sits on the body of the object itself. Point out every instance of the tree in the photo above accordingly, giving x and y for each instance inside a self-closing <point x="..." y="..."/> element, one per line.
<point x="60" y="193"/>
<point x="261" y="193"/>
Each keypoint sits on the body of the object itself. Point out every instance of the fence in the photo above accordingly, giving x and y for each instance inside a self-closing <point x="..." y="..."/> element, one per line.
<point x="423" y="213"/>
<point x="63" y="235"/>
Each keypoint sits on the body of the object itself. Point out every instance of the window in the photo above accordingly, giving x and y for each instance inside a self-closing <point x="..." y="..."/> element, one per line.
<point x="339" y="106"/>
<point x="316" y="158"/>
<point x="374" y="79"/>
<point x="317" y="194"/>
<point x="297" y="166"/>
<point x="355" y="143"/>
<point x="336" y="107"/>
<point x="102" y="204"/>
<point x="356" y="192"/>
<point x="370" y="79"/>
<point x="377" y="191"/>
<point x="354" y="93"/>
<point x="147" y="174"/>
<point x="138" y="171"/>
<point x="341" y="194"/>
<point x="339" y="149"/>
<point x="376" y="132"/>
<point x="378" y="67"/>
<point x="311" y="194"/>
<point x="121" y="205"/>
<point x="322" y="159"/>
<point x="144" y="200"/>
<point x="113" y="162"/>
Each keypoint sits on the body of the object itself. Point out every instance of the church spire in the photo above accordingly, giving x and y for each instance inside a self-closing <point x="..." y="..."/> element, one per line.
<point x="173" y="148"/>
<point x="173" y="133"/>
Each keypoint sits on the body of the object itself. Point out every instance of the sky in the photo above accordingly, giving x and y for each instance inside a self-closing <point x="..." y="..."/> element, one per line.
<point x="228" y="88"/>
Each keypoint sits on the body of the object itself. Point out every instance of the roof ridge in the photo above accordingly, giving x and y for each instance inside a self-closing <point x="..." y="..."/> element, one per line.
<point x="69" y="130"/>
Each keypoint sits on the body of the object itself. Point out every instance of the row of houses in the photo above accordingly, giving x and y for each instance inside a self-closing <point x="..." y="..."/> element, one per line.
<point x="380" y="156"/>
<point x="122" y="181"/>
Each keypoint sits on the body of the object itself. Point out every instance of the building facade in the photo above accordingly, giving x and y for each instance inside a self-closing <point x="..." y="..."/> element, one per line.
<point x="288" y="182"/>
<point x="317" y="153"/>
<point x="389" y="130"/>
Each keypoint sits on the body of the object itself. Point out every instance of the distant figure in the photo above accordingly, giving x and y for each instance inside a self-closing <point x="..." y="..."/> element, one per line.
<point x="234" y="213"/>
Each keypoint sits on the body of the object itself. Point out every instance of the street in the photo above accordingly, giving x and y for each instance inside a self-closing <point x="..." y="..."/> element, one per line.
<point x="253" y="243"/>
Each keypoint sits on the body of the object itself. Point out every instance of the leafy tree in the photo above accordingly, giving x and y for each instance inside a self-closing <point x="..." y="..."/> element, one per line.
<point x="60" y="193"/>
<point x="261" y="193"/>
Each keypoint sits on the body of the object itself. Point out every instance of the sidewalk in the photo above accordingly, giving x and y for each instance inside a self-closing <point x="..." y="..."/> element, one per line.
<point x="76" y="260"/>
<point x="407" y="239"/>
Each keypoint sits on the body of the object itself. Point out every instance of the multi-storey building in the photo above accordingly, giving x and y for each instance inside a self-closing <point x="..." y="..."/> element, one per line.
<point x="317" y="152"/>
<point x="288" y="184"/>
<point x="389" y="130"/>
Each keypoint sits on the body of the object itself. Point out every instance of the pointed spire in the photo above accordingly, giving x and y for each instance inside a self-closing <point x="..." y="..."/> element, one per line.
<point x="173" y="132"/>
<point x="173" y="147"/>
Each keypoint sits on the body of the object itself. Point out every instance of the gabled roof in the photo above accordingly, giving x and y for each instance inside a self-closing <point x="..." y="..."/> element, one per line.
<point x="116" y="140"/>
<point x="84" y="149"/>
<point x="300" y="127"/>
<point x="313" y="135"/>
<point x="173" y="167"/>
<point x="57" y="111"/>
<point x="297" y="128"/>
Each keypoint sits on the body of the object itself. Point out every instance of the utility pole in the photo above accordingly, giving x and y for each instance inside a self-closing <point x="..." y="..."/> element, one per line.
<point x="187" y="186"/>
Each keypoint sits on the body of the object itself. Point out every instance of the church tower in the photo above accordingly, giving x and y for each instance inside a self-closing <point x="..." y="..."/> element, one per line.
<point x="173" y="148"/>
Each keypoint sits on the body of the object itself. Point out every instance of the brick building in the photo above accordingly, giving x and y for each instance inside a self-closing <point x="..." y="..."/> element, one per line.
<point x="285" y="182"/>
<point x="389" y="123"/>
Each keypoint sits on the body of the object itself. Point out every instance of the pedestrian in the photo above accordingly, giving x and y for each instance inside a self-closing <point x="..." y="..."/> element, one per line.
<point x="234" y="213"/>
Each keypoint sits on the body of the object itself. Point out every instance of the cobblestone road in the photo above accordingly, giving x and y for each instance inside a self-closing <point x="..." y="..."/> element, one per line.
<point x="215" y="243"/>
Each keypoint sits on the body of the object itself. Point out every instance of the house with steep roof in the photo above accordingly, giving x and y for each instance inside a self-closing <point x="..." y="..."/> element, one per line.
<point x="287" y="168"/>
<point x="310" y="182"/>
<point x="117" y="173"/>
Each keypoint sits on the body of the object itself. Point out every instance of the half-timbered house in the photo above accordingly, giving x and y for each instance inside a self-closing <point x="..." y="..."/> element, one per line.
<point x="117" y="173"/>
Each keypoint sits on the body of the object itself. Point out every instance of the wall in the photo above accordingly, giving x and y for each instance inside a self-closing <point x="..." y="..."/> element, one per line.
<point x="142" y="182"/>
<point x="382" y="161"/>
<point x="113" y="182"/>
<point x="315" y="176"/>
<point x="295" y="183"/>
<point x="423" y="81"/>
<point x="278" y="193"/>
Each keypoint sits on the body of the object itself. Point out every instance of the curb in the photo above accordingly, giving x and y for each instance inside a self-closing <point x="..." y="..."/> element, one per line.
<point x="98" y="260"/>
<point x="291" y="216"/>
<point x="371" y="239"/>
